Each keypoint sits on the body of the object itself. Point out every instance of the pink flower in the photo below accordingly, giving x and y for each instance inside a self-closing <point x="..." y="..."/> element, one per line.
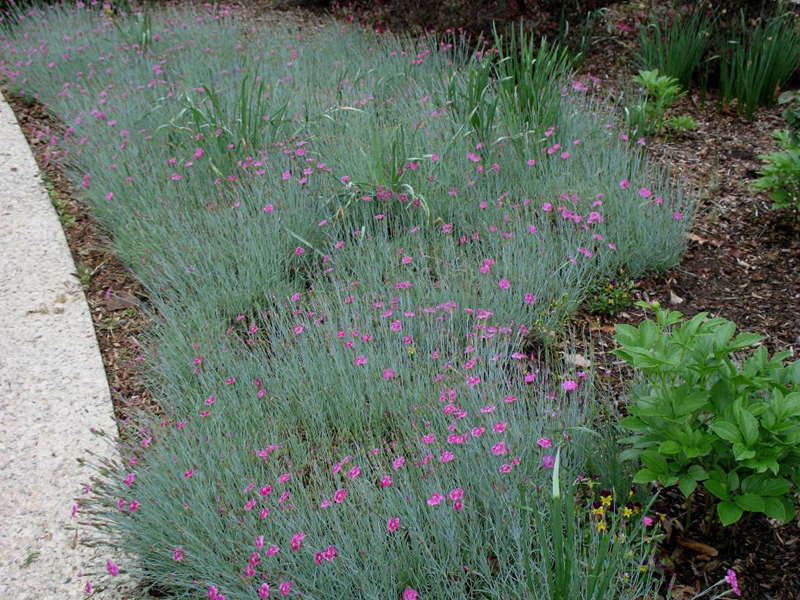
<point x="548" y="462"/>
<point x="645" y="193"/>
<point x="286" y="175"/>
<point x="263" y="591"/>
<point x="436" y="498"/>
<point x="499" y="449"/>
<point x="648" y="521"/>
<point x="506" y="468"/>
<point x="393" y="524"/>
<point x="447" y="457"/>
<point x="299" y="251"/>
<point x="88" y="588"/>
<point x="388" y="374"/>
<point x="213" y="594"/>
<point x="112" y="567"/>
<point x="569" y="385"/>
<point x="177" y="553"/>
<point x="530" y="298"/>
<point x="677" y="216"/>
<point x="624" y="184"/>
<point x="544" y="442"/>
<point x="273" y="550"/>
<point x="285" y="588"/>
<point x="504" y="284"/>
<point x="129" y="479"/>
<point x="410" y="594"/>
<point x="360" y="360"/>
<point x="354" y="472"/>
<point x="386" y="481"/>
<point x="284" y="478"/>
<point x="297" y="540"/>
<point x="499" y="427"/>
<point x="398" y="462"/>
<point x="340" y="495"/>
<point x="188" y="473"/>
<point x="730" y="579"/>
<point x="478" y="431"/>
<point x="456" y="494"/>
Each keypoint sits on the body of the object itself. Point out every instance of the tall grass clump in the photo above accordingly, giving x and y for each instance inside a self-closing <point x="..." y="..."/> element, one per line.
<point x="756" y="60"/>
<point x="678" y="47"/>
<point x="358" y="251"/>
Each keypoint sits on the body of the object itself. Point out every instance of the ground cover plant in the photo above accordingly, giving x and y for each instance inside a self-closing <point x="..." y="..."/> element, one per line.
<point x="351" y="247"/>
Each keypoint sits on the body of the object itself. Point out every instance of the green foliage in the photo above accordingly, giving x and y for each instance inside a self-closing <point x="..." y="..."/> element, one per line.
<point x="531" y="78"/>
<point x="757" y="59"/>
<point x="660" y="92"/>
<point x="580" y="554"/>
<point x="792" y="114"/>
<point x="780" y="174"/>
<point x="703" y="419"/>
<point x="679" y="124"/>
<point x="611" y="296"/>
<point x="678" y="48"/>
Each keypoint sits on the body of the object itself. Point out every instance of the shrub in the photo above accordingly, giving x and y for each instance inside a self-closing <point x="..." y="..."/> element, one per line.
<point x="755" y="60"/>
<point x="780" y="174"/>
<point x="649" y="116"/>
<point x="701" y="417"/>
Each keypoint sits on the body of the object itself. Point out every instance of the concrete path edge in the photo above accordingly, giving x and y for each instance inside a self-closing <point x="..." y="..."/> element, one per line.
<point x="53" y="387"/>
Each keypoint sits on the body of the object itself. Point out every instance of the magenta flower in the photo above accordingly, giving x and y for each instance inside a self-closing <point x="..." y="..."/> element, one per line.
<point x="393" y="524"/>
<point x="263" y="591"/>
<point x="624" y="184"/>
<point x="504" y="284"/>
<point x="548" y="462"/>
<point x="340" y="495"/>
<point x="730" y="579"/>
<point x="360" y="360"/>
<point x="499" y="449"/>
<point x="386" y="481"/>
<point x="436" y="498"/>
<point x="297" y="540"/>
<point x="177" y="553"/>
<point x="544" y="442"/>
<point x="410" y="594"/>
<point x="112" y="567"/>
<point x="388" y="374"/>
<point x="569" y="385"/>
<point x="285" y="588"/>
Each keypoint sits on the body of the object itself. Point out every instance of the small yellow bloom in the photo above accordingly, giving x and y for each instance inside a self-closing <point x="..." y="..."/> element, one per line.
<point x="599" y="511"/>
<point x="606" y="500"/>
<point x="601" y="526"/>
<point x="627" y="512"/>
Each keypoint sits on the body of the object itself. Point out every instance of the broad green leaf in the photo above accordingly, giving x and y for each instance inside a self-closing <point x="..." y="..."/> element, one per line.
<point x="727" y="431"/>
<point x="733" y="481"/>
<point x="774" y="508"/>
<point x="655" y="461"/>
<point x="687" y="485"/>
<point x="634" y="424"/>
<point x="670" y="447"/>
<point x="728" y="513"/>
<point x="750" y="502"/>
<point x="697" y="473"/>
<point x="719" y="489"/>
<point x="645" y="476"/>
<point x="630" y="454"/>
<point x="743" y="340"/>
<point x="747" y="425"/>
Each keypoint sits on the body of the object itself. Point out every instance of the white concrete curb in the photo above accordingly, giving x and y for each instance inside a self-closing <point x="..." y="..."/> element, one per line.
<point x="52" y="385"/>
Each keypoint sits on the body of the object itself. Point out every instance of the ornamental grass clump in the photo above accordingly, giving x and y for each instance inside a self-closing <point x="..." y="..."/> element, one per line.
<point x="346" y="274"/>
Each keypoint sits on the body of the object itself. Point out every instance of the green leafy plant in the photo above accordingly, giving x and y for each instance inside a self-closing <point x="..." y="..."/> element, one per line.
<point x="660" y="92"/>
<point x="780" y="175"/>
<point x="611" y="296"/>
<point x="584" y="553"/>
<point x="703" y="419"/>
<point x="792" y="114"/>
<point x="677" y="48"/>
<point x="680" y="124"/>
<point x="755" y="60"/>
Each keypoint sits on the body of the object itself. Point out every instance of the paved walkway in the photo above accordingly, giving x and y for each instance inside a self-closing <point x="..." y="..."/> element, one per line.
<point x="52" y="385"/>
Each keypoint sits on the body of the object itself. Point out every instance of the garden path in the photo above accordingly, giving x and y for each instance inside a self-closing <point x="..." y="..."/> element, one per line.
<point x="52" y="385"/>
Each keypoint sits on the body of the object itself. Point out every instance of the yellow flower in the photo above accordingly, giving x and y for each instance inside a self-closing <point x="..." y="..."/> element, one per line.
<point x="606" y="500"/>
<point x="599" y="511"/>
<point x="601" y="526"/>
<point x="627" y="512"/>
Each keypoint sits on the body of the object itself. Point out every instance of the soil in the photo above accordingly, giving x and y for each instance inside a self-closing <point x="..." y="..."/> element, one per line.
<point x="742" y="262"/>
